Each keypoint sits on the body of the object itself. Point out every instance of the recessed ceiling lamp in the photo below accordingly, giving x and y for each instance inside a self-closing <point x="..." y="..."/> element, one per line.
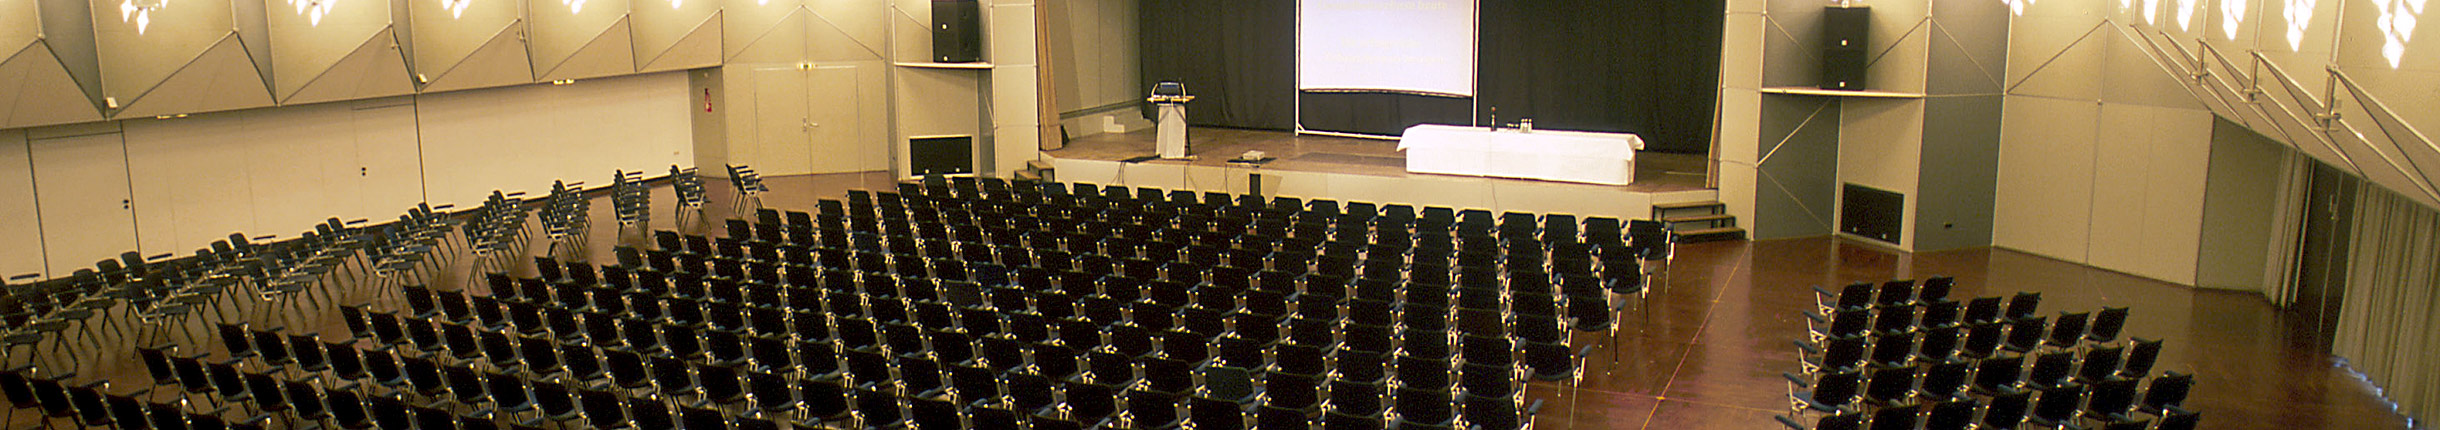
<point x="313" y="10"/>
<point x="574" y="6"/>
<point x="456" y="8"/>
<point x="140" y="12"/>
<point x="674" y="4"/>
<point x="2017" y="6"/>
<point x="2397" y="24"/>
<point x="2232" y="15"/>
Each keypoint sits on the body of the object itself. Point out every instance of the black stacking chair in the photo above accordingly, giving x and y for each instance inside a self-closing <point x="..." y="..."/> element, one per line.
<point x="1982" y="310"/>
<point x="2106" y="325"/>
<point x="649" y="414"/>
<point x="1999" y="375"/>
<point x="1843" y="323"/>
<point x="2111" y="398"/>
<point x="2067" y="330"/>
<point x="1853" y="296"/>
<point x="2167" y="392"/>
<point x="603" y="410"/>
<point x="554" y="401"/>
<point x="1895" y="293"/>
<point x="393" y="414"/>
<point x="2008" y="410"/>
<point x="2179" y="419"/>
<point x="1420" y="407"/>
<point x="1945" y="380"/>
<point x="2100" y="364"/>
<point x="2051" y="369"/>
<point x="1843" y="421"/>
<point x="2058" y="406"/>
<point x="1903" y="417"/>
<point x="2025" y="334"/>
<point x="1951" y="415"/>
<point x="1837" y="353"/>
<point x="347" y="409"/>
<point x="1981" y="339"/>
<point x="2140" y="358"/>
<point x="1891" y="385"/>
<point x="2023" y="304"/>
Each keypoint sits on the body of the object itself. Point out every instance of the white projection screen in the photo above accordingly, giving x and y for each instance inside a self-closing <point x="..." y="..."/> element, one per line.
<point x="1417" y="46"/>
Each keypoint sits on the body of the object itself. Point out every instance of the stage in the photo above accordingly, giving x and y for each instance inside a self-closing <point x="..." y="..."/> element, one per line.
<point x="1372" y="170"/>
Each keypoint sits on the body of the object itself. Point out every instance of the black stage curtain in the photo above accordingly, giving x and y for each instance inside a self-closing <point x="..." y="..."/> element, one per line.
<point x="1385" y="114"/>
<point x="1237" y="57"/>
<point x="1645" y="67"/>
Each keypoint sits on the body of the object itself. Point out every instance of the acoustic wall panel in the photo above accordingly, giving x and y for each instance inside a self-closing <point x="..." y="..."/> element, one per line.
<point x="500" y="62"/>
<point x="35" y="89"/>
<point x="312" y="38"/>
<point x="2043" y="202"/>
<point x="224" y="77"/>
<point x="1880" y="145"/>
<point x="377" y="69"/>
<point x="612" y="53"/>
<point x="699" y="47"/>
<point x="141" y="47"/>
<point x="558" y="31"/>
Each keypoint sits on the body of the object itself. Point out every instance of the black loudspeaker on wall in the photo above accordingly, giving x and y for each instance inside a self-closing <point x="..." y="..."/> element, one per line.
<point x="957" y="31"/>
<point x="1845" y="46"/>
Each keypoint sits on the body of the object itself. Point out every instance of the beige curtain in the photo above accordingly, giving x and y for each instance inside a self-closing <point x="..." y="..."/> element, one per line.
<point x="2389" y="327"/>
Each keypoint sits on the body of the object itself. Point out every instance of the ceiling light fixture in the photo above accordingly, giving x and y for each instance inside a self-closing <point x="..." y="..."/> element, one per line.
<point x="574" y="6"/>
<point x="140" y="12"/>
<point x="2299" y="14"/>
<point x="2232" y="15"/>
<point x="456" y="8"/>
<point x="2397" y="24"/>
<point x="313" y="10"/>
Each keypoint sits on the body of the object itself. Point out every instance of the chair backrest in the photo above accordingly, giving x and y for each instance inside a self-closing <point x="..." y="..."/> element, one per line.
<point x="2140" y="358"/>
<point x="2023" y="304"/>
<point x="2059" y="404"/>
<point x="2167" y="391"/>
<point x="1951" y="415"/>
<point x="1901" y="417"/>
<point x="2107" y="324"/>
<point x="2007" y="410"/>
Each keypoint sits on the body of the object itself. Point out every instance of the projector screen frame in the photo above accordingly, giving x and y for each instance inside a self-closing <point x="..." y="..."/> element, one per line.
<point x="1474" y="55"/>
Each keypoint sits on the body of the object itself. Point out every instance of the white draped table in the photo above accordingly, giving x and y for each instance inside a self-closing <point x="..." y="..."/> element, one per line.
<point x="1570" y="156"/>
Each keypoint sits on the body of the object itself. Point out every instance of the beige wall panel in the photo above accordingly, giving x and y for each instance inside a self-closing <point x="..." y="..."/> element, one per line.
<point x="20" y="25"/>
<point x="826" y="40"/>
<point x="376" y="69"/>
<point x="660" y="25"/>
<point x="747" y="21"/>
<point x="698" y="48"/>
<point x="2043" y="203"/>
<point x="2149" y="168"/>
<point x="1009" y="34"/>
<point x="389" y="176"/>
<point x="445" y="36"/>
<point x="781" y="43"/>
<point x="1741" y="50"/>
<point x="499" y="63"/>
<point x="936" y="102"/>
<point x="1881" y="146"/>
<point x="17" y="203"/>
<point x="80" y="185"/>
<point x="1901" y="45"/>
<point x="2133" y="76"/>
<point x="910" y="41"/>
<point x="2056" y="56"/>
<point x="611" y="54"/>
<point x="861" y="20"/>
<point x="306" y="43"/>
<point x="222" y="78"/>
<point x="590" y="129"/>
<point x="185" y="173"/>
<point x="782" y="142"/>
<point x="36" y="90"/>
<point x="173" y="35"/>
<point x="557" y="30"/>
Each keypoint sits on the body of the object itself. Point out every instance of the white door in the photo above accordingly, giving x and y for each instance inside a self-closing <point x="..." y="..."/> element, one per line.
<point x="389" y="165"/>
<point x="80" y="185"/>
<point x="21" y="236"/>
<point x="836" y="106"/>
<point x="781" y="124"/>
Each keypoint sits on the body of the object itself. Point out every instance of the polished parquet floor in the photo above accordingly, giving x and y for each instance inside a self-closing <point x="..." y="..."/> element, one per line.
<point x="1705" y="348"/>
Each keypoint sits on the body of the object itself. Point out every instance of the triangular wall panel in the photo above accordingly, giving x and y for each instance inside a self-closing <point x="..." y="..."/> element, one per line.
<point x="610" y="53"/>
<point x="700" y="48"/>
<point x="500" y="62"/>
<point x="224" y="77"/>
<point x="36" y="90"/>
<point x="375" y="69"/>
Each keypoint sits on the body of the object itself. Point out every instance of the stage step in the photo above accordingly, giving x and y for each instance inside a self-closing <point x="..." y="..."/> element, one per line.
<point x="1710" y="234"/>
<point x="1698" y="218"/>
<point x="1711" y="222"/>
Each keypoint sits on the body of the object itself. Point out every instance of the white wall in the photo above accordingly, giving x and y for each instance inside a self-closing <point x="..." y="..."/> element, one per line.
<point x="1880" y="145"/>
<point x="522" y="138"/>
<point x="278" y="171"/>
<point x="22" y="233"/>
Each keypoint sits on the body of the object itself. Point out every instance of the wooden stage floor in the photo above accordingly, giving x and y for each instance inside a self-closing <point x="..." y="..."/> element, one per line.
<point x="1705" y="349"/>
<point x="1208" y="146"/>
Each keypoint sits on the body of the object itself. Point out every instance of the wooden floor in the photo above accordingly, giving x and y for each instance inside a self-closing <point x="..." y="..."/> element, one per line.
<point x="1705" y="349"/>
<point x="1210" y="146"/>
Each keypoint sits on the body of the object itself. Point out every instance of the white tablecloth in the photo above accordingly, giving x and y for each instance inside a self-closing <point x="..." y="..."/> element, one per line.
<point x="1571" y="156"/>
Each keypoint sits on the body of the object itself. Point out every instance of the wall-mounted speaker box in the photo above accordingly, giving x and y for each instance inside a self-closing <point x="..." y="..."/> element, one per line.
<point x="1846" y="46"/>
<point x="1843" y="69"/>
<point x="957" y="31"/>
<point x="940" y="154"/>
<point x="1871" y="213"/>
